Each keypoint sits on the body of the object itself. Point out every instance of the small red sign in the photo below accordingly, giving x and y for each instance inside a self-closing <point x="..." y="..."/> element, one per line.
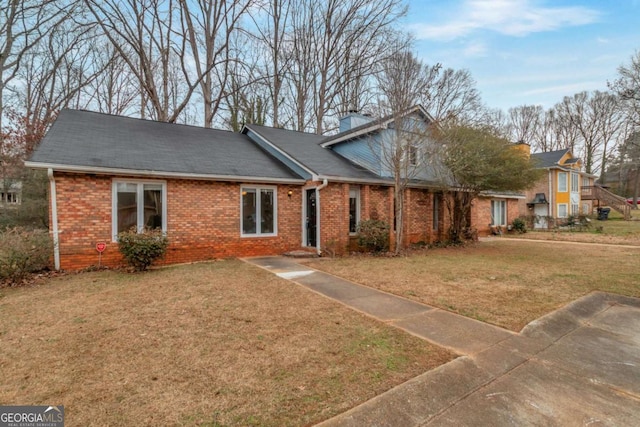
<point x="101" y="246"/>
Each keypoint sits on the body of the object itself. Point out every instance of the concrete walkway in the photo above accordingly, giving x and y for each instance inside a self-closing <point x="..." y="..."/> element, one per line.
<point x="577" y="366"/>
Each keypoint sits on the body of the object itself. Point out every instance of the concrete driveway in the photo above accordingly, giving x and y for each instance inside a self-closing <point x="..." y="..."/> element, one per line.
<point x="578" y="366"/>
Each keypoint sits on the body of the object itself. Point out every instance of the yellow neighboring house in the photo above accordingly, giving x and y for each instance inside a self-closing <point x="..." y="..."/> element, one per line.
<point x="561" y="192"/>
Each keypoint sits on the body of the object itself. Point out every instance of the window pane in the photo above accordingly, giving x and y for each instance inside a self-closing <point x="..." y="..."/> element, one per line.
<point x="436" y="208"/>
<point x="562" y="210"/>
<point x="153" y="206"/>
<point x="354" y="209"/>
<point x="562" y="181"/>
<point x="249" y="211"/>
<point x="266" y="211"/>
<point x="127" y="207"/>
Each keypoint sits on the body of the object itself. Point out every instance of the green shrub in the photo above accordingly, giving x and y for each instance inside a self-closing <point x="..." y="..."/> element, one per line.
<point x="373" y="235"/>
<point x="140" y="250"/>
<point x="519" y="225"/>
<point x="23" y="252"/>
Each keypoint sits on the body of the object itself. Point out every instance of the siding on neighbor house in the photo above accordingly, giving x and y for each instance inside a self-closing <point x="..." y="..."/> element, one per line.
<point x="203" y="221"/>
<point x="541" y="186"/>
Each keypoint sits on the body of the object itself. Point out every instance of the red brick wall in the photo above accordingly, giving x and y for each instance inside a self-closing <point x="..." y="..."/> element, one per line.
<point x="376" y="202"/>
<point x="203" y="221"/>
<point x="541" y="186"/>
<point x="481" y="214"/>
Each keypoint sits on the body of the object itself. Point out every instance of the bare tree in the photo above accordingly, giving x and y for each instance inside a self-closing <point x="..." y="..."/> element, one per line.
<point x="454" y="96"/>
<point x="271" y="34"/>
<point x="330" y="49"/>
<point x="147" y="36"/>
<point x="595" y="119"/>
<point x="627" y="86"/>
<point x="115" y="89"/>
<point x="402" y="81"/>
<point x="23" y="24"/>
<point x="525" y="121"/>
<point x="209" y="27"/>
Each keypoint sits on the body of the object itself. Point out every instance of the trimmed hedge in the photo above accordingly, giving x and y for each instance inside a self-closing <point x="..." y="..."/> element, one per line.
<point x="140" y="250"/>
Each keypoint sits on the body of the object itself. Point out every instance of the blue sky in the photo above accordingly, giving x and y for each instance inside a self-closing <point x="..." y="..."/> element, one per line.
<point x="528" y="51"/>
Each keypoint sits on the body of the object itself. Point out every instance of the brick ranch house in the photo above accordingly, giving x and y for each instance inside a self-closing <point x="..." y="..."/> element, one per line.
<point x="216" y="194"/>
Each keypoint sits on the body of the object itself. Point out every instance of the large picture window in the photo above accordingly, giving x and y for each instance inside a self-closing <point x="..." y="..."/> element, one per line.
<point x="498" y="212"/>
<point x="258" y="210"/>
<point x="139" y="205"/>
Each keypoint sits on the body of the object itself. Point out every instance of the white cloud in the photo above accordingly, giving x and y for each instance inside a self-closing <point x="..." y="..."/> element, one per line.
<point x="475" y="49"/>
<point x="508" y="17"/>
<point x="564" y="90"/>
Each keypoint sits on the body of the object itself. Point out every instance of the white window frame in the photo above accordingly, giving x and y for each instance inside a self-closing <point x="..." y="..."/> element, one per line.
<point x="502" y="205"/>
<point x="354" y="193"/>
<point x="575" y="182"/>
<point x="413" y="155"/>
<point x="10" y="197"/>
<point x="258" y="219"/>
<point x="140" y="209"/>
<point x="575" y="209"/>
<point x="563" y="187"/>
<point x="435" y="215"/>
<point x="565" y="206"/>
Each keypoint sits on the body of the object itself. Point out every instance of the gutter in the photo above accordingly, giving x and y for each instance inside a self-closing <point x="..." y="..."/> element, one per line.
<point x="325" y="182"/>
<point x="54" y="220"/>
<point x="160" y="174"/>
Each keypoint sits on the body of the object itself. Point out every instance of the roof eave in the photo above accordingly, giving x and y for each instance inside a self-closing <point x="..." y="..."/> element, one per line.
<point x="279" y="150"/>
<point x="160" y="174"/>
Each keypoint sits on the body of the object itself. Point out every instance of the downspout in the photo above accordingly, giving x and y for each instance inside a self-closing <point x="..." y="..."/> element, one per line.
<point x="325" y="182"/>
<point x="551" y="194"/>
<point x="54" y="219"/>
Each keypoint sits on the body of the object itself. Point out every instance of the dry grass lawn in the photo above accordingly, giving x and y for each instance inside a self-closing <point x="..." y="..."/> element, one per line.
<point x="615" y="231"/>
<point x="215" y="344"/>
<point x="505" y="282"/>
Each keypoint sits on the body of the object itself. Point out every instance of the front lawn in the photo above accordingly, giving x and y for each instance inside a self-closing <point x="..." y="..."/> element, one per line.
<point x="215" y="344"/>
<point x="505" y="282"/>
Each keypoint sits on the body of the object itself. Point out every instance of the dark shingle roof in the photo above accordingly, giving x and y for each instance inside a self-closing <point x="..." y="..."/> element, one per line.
<point x="548" y="159"/>
<point x="101" y="141"/>
<point x="305" y="148"/>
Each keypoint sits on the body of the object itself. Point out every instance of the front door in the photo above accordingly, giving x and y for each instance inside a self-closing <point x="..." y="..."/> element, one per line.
<point x="541" y="211"/>
<point x="310" y="198"/>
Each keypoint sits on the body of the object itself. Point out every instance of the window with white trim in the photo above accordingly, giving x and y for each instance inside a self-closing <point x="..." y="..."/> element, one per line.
<point x="498" y="212"/>
<point x="354" y="209"/>
<point x="585" y="208"/>
<point x="140" y="205"/>
<point x="575" y="182"/>
<point x="436" y="211"/>
<point x="10" y="198"/>
<point x="413" y="154"/>
<point x="562" y="210"/>
<point x="258" y="211"/>
<point x="562" y="182"/>
<point x="575" y="209"/>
